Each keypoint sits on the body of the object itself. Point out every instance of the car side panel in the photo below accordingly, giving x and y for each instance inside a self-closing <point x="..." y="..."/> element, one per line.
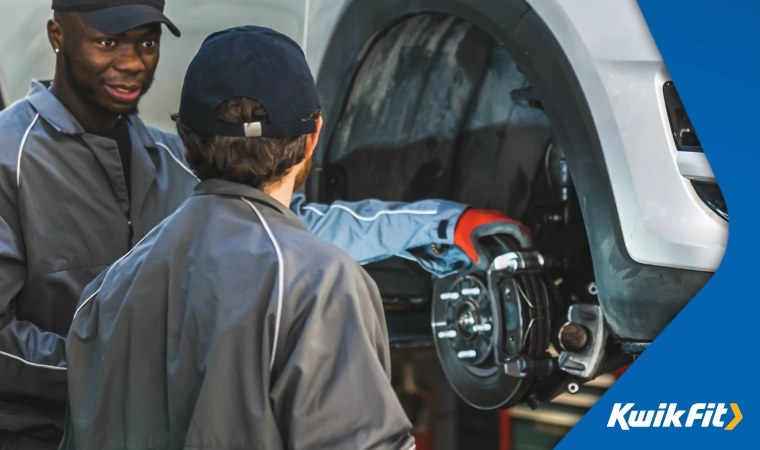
<point x="622" y="74"/>
<point x="618" y="65"/>
<point x="639" y="300"/>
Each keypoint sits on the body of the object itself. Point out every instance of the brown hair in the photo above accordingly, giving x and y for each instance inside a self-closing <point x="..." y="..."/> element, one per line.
<point x="256" y="162"/>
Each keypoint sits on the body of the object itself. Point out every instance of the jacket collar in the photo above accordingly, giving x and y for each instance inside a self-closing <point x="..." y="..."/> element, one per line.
<point x="52" y="110"/>
<point x="223" y="187"/>
<point x="143" y="168"/>
<point x="57" y="115"/>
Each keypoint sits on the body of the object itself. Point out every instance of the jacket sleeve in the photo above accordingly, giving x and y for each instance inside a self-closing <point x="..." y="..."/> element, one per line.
<point x="331" y="386"/>
<point x="373" y="230"/>
<point x="32" y="361"/>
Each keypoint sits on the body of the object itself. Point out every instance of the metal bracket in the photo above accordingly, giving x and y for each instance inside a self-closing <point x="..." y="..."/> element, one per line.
<point x="586" y="363"/>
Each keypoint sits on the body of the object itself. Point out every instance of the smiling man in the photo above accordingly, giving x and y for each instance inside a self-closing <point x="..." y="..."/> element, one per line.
<point x="83" y="180"/>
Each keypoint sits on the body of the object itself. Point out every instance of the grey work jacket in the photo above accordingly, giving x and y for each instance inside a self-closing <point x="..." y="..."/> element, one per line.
<point x="65" y="216"/>
<point x="63" y="219"/>
<point x="232" y="327"/>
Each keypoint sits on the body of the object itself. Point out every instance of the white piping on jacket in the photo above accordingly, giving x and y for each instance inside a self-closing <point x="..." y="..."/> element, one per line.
<point x="77" y="311"/>
<point x="31" y="363"/>
<point x="376" y="216"/>
<point x="18" y="182"/>
<point x="21" y="150"/>
<point x="187" y="169"/>
<point x="280" y="279"/>
<point x="108" y="272"/>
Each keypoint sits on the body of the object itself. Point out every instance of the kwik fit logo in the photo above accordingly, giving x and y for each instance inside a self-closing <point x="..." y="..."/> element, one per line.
<point x="668" y="415"/>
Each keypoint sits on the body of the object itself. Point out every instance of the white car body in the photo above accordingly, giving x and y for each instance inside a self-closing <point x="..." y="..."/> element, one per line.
<point x="622" y="73"/>
<point x="663" y="222"/>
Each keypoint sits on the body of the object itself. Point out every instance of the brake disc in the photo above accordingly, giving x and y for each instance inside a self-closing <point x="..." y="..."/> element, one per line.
<point x="492" y="339"/>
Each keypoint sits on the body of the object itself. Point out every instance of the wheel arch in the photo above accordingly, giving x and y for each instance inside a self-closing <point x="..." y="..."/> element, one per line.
<point x="638" y="300"/>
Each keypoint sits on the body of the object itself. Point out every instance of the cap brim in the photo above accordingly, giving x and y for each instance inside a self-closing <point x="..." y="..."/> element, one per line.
<point x="120" y="19"/>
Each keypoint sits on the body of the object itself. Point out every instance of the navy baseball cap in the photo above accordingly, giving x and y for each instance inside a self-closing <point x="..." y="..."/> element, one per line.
<point x="117" y="16"/>
<point x="256" y="63"/>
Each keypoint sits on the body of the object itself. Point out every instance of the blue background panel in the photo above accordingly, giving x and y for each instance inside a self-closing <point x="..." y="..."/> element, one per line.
<point x="709" y="352"/>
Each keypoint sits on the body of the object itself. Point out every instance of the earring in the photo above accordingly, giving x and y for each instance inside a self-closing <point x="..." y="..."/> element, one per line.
<point x="57" y="50"/>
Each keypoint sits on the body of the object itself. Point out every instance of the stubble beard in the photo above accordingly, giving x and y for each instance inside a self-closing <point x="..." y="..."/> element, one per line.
<point x="303" y="174"/>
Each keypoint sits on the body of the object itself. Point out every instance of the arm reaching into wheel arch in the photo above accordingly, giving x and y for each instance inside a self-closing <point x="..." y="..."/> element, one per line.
<point x="373" y="230"/>
<point x="477" y="223"/>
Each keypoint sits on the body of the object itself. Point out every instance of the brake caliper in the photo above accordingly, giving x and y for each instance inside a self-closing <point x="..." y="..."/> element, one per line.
<point x="522" y="324"/>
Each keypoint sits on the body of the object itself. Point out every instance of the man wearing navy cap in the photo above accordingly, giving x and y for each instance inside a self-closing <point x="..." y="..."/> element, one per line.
<point x="230" y="325"/>
<point x="83" y="180"/>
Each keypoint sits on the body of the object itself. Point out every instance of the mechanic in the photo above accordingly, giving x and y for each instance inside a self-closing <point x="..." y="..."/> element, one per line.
<point x="82" y="180"/>
<point x="230" y="325"/>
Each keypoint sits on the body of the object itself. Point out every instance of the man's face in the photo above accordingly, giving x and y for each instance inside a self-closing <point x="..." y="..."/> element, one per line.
<point x="110" y="73"/>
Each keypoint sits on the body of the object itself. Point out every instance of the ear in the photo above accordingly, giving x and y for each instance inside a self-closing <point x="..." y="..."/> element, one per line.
<point x="55" y="34"/>
<point x="313" y="139"/>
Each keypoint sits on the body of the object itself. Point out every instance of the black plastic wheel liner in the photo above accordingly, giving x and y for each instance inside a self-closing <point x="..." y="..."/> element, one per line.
<point x="432" y="114"/>
<point x="638" y="300"/>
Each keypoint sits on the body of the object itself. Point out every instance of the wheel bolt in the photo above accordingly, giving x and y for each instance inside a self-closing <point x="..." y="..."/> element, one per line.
<point x="467" y="354"/>
<point x="471" y="291"/>
<point x="448" y="334"/>
<point x="481" y="328"/>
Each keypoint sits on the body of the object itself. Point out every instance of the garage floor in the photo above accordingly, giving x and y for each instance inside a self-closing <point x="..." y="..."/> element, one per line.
<point x="444" y="422"/>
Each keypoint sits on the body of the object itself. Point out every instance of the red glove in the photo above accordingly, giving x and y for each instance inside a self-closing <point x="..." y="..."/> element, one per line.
<point x="473" y="218"/>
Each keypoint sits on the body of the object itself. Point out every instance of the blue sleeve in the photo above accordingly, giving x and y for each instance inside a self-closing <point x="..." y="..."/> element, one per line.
<point x="373" y="230"/>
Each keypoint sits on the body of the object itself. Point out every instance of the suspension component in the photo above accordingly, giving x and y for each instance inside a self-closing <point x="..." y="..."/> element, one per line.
<point x="585" y="361"/>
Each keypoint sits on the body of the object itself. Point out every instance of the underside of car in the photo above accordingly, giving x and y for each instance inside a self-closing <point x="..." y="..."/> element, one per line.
<point x="433" y="106"/>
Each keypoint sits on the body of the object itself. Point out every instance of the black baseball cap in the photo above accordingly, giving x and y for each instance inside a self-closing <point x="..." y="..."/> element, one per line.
<point x="256" y="63"/>
<point x="117" y="16"/>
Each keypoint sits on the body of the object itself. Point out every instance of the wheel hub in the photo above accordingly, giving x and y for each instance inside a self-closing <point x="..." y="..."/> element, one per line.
<point x="488" y="346"/>
<point x="468" y="320"/>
